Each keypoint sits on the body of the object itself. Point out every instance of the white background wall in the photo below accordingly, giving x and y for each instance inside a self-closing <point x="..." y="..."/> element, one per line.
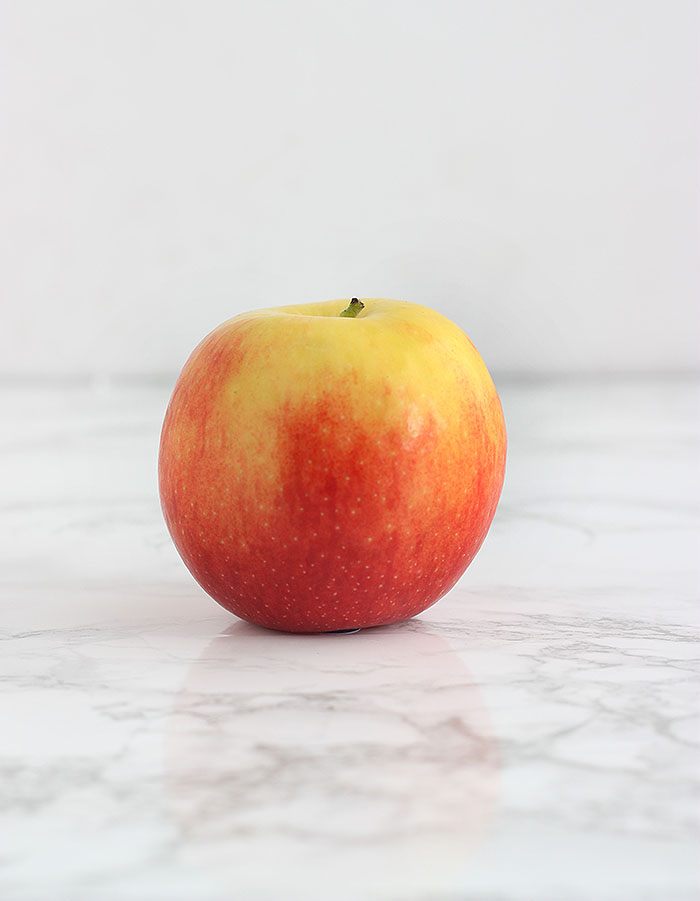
<point x="528" y="168"/>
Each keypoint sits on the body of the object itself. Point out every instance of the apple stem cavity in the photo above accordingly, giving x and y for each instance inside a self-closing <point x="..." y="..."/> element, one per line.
<point x="355" y="307"/>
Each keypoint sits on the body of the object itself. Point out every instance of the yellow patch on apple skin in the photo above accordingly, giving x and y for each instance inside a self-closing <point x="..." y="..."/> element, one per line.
<point x="354" y="464"/>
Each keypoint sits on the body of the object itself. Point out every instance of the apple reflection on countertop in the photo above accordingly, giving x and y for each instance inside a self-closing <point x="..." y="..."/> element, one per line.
<point x="369" y="755"/>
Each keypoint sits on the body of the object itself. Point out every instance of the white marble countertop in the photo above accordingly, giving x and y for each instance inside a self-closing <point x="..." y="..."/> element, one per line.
<point x="533" y="736"/>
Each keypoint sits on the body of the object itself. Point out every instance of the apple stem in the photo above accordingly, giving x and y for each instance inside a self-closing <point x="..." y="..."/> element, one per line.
<point x="355" y="307"/>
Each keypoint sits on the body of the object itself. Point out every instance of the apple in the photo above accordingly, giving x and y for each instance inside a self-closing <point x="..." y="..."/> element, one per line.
<point x="333" y="465"/>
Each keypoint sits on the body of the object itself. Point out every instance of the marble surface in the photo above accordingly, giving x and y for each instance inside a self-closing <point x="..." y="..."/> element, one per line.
<point x="533" y="736"/>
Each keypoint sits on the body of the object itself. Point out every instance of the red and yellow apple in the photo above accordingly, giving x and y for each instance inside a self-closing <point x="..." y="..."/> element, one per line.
<point x="333" y="465"/>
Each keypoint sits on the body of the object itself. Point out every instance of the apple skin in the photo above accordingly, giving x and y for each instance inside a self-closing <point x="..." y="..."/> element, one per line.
<point x="320" y="473"/>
